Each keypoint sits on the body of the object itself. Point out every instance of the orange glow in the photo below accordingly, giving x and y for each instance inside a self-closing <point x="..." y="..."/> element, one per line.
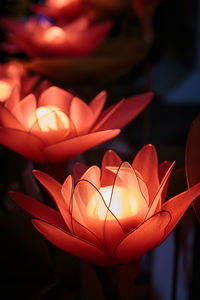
<point x="61" y="3"/>
<point x="51" y="118"/>
<point x="5" y="90"/>
<point x="54" y="33"/>
<point x="97" y="209"/>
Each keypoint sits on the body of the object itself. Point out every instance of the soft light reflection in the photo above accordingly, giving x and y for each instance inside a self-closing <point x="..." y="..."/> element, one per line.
<point x="51" y="118"/>
<point x="5" y="90"/>
<point x="55" y="34"/>
<point x="61" y="3"/>
<point x="122" y="206"/>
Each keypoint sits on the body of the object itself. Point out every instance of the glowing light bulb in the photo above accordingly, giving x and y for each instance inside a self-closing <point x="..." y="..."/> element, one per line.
<point x="119" y="207"/>
<point x="54" y="34"/>
<point x="51" y="118"/>
<point x="5" y="90"/>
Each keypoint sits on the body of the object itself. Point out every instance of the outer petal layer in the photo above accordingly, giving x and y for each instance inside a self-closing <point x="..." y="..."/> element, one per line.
<point x="147" y="236"/>
<point x="23" y="143"/>
<point x="75" y="146"/>
<point x="146" y="163"/>
<point x="38" y="209"/>
<point x="177" y="205"/>
<point x="72" y="244"/>
<point x="54" y="189"/>
<point x="125" y="112"/>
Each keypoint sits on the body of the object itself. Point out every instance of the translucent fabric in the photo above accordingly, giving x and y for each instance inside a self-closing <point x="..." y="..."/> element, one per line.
<point x="111" y="223"/>
<point x="59" y="125"/>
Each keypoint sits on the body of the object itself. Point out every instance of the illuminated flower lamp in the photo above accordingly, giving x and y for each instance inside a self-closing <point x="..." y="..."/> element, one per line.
<point x="38" y="38"/>
<point x="113" y="215"/>
<point x="59" y="125"/>
<point x="14" y="74"/>
<point x="59" y="9"/>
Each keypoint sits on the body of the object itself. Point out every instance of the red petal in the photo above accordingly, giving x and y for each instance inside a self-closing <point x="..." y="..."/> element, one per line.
<point x="162" y="170"/>
<point x="126" y="179"/>
<point x="56" y="97"/>
<point x="147" y="236"/>
<point x="93" y="176"/>
<point x="146" y="163"/>
<point x="126" y="112"/>
<point x="8" y="119"/>
<point x="177" y="205"/>
<point x="97" y="104"/>
<point x="54" y="189"/>
<point x="84" y="233"/>
<point x="81" y="115"/>
<point x="24" y="111"/>
<point x="77" y="145"/>
<point x="23" y="143"/>
<point x="78" y="170"/>
<point x="72" y="244"/>
<point x="38" y="209"/>
<point x="156" y="203"/>
<point x="86" y="198"/>
<point x="110" y="159"/>
<point x="13" y="99"/>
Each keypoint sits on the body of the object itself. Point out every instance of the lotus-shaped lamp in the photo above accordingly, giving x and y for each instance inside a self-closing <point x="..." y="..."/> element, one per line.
<point x="40" y="38"/>
<point x="113" y="215"/>
<point x="14" y="73"/>
<point x="59" y="125"/>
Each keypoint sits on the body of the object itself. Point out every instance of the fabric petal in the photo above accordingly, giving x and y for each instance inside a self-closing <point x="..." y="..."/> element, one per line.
<point x="23" y="143"/>
<point x="162" y="170"/>
<point x="81" y="115"/>
<point x="93" y="175"/>
<point x="54" y="189"/>
<point x="24" y="111"/>
<point x="110" y="159"/>
<point x="7" y="119"/>
<point x="78" y="170"/>
<point x="146" y="163"/>
<point x="87" y="204"/>
<point x="177" y="205"/>
<point x="126" y="112"/>
<point x="132" y="208"/>
<point x="38" y="210"/>
<point x="147" y="236"/>
<point x="56" y="97"/>
<point x="105" y="116"/>
<point x="90" y="210"/>
<point x="77" y="145"/>
<point x="72" y="244"/>
<point x="156" y="203"/>
<point x="84" y="233"/>
<point x="97" y="104"/>
<point x="14" y="98"/>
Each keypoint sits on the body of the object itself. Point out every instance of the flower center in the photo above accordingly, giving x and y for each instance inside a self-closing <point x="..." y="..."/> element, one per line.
<point x="51" y="118"/>
<point x="54" y="33"/>
<point x="61" y="3"/>
<point x="5" y="90"/>
<point x="120" y="208"/>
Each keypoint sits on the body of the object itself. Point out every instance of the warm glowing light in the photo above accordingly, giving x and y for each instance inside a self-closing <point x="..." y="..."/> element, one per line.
<point x="61" y="3"/>
<point x="5" y="90"/>
<point x="124" y="205"/>
<point x="51" y="118"/>
<point x="54" y="33"/>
